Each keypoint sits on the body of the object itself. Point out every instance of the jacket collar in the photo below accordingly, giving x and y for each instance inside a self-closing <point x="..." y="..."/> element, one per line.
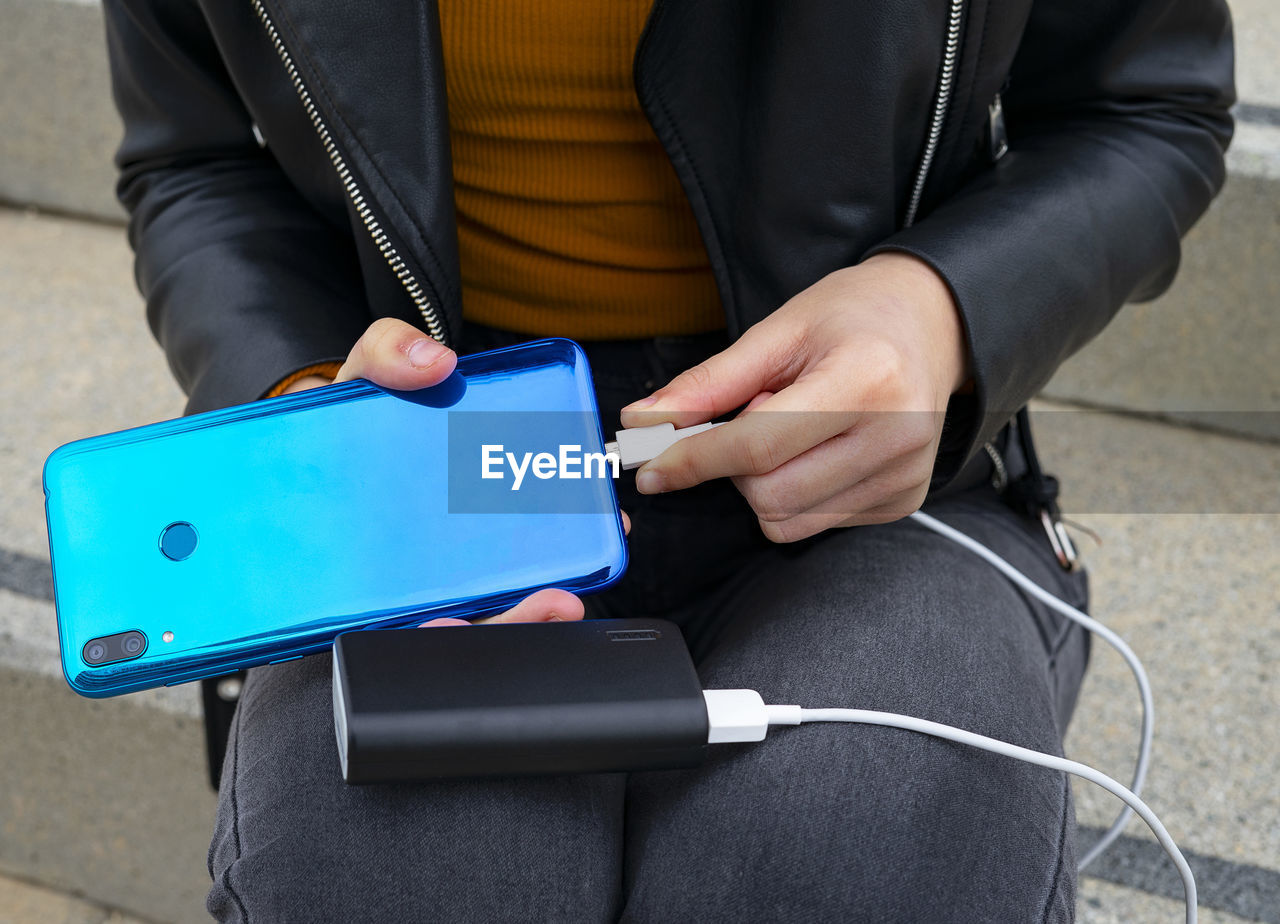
<point x="351" y="55"/>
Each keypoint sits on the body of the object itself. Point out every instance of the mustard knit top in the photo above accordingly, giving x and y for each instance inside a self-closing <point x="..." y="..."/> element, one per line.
<point x="570" y="218"/>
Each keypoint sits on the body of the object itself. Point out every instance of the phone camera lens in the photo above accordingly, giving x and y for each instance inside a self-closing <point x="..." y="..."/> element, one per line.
<point x="108" y="649"/>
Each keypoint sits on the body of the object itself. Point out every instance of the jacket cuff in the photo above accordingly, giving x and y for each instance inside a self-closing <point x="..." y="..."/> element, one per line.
<point x="328" y="369"/>
<point x="1038" y="253"/>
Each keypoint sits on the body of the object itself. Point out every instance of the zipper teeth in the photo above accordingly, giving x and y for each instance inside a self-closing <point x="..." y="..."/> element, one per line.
<point x="371" y="223"/>
<point x="946" y="81"/>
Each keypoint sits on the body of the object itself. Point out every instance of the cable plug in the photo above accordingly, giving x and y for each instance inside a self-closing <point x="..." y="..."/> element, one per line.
<point x="636" y="446"/>
<point x="741" y="715"/>
<point x="735" y="715"/>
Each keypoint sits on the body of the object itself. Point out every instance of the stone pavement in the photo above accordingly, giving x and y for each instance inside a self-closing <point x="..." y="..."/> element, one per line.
<point x="101" y="798"/>
<point x="27" y="902"/>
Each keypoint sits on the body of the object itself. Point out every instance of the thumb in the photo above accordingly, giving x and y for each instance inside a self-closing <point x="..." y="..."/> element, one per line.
<point x="715" y="386"/>
<point x="394" y="354"/>
<point x="547" y="605"/>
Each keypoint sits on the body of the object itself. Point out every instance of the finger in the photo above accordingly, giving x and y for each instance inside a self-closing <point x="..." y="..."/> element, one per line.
<point x="760" y="361"/>
<point x="443" y="621"/>
<point x="890" y="511"/>
<point x="835" y="515"/>
<point x="626" y="522"/>
<point x="817" y="475"/>
<point x="397" y="355"/>
<point x="778" y="429"/>
<point x="889" y="451"/>
<point x="550" y="605"/>
<point x="804" y="414"/>
<point x="897" y="489"/>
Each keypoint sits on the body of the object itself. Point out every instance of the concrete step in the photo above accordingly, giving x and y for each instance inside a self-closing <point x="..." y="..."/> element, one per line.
<point x="28" y="903"/>
<point x="60" y="127"/>
<point x="1206" y="353"/>
<point x="107" y="799"/>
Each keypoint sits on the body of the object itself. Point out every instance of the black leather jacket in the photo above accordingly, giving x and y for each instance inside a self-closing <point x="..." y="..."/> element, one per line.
<point x="286" y="166"/>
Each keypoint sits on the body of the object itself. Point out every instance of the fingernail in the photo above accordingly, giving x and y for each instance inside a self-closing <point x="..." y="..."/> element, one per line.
<point x="424" y="352"/>
<point x="643" y="402"/>
<point x="649" y="482"/>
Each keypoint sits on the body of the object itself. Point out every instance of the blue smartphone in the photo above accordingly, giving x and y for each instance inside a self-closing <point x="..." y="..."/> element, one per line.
<point x="195" y="547"/>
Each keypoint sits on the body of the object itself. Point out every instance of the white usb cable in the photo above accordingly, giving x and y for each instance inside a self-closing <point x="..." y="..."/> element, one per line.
<point x="741" y="715"/>
<point x="638" y="445"/>
<point x="1097" y="628"/>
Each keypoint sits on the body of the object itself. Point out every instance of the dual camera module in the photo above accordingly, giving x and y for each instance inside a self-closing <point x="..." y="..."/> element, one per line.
<point x="177" y="541"/>
<point x="122" y="646"/>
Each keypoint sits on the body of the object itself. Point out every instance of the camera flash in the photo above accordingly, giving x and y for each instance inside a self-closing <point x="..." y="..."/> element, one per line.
<point x="168" y="636"/>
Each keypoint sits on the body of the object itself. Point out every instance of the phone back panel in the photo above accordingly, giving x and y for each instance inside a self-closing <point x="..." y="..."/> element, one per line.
<point x="318" y="513"/>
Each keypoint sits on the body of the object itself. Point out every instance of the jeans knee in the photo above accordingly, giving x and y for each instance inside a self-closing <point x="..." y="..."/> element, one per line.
<point x="854" y="823"/>
<point x="984" y="837"/>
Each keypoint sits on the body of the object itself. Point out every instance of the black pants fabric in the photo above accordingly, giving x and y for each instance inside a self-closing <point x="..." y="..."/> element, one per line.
<point x="817" y="823"/>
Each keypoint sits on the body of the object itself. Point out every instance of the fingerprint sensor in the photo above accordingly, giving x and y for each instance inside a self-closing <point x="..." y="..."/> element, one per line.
<point x="178" y="541"/>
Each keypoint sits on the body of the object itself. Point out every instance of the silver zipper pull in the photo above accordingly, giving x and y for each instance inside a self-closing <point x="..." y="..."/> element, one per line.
<point x="997" y="136"/>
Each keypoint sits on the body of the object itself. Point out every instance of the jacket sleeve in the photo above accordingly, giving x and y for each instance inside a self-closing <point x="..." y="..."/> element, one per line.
<point x="245" y="283"/>
<point x="1117" y="116"/>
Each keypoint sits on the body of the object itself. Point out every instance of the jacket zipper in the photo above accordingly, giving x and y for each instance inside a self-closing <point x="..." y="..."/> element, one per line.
<point x="380" y="239"/>
<point x="946" y="83"/>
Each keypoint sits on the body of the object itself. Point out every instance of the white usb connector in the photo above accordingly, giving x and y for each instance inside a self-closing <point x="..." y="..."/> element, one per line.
<point x="735" y="715"/>
<point x="741" y="715"/>
<point x="638" y="445"/>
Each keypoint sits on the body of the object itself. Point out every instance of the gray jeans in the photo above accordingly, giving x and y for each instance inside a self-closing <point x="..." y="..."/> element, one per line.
<point x="817" y="823"/>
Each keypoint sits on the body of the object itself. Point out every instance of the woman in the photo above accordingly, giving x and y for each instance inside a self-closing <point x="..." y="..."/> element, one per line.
<point x="878" y="227"/>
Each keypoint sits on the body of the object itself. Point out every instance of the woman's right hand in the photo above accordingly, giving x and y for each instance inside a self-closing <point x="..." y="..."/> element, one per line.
<point x="396" y="355"/>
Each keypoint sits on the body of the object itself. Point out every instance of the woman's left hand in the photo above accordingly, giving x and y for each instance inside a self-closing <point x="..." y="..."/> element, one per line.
<point x="846" y="389"/>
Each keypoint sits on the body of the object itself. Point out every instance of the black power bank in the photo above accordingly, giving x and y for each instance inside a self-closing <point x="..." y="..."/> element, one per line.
<point x="574" y="697"/>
